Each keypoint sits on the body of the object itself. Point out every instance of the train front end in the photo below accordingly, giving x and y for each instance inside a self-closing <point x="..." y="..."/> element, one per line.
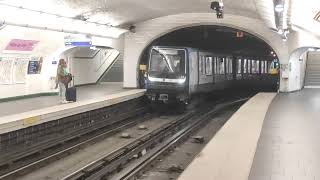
<point x="167" y="77"/>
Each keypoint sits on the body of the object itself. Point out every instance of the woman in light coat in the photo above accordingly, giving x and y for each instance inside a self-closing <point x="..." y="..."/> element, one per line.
<point x="61" y="79"/>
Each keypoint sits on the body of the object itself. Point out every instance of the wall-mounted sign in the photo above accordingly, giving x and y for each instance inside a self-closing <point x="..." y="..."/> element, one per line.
<point x="35" y="65"/>
<point x="21" y="45"/>
<point x="78" y="44"/>
<point x="78" y="40"/>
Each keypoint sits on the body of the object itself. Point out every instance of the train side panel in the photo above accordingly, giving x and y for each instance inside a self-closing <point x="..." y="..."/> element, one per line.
<point x="193" y="71"/>
<point x="205" y="71"/>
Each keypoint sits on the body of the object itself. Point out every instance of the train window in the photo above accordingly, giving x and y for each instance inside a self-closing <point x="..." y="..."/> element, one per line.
<point x="239" y="66"/>
<point x="208" y="66"/>
<point x="266" y="67"/>
<point x="230" y="65"/>
<point x="253" y="66"/>
<point x="262" y="67"/>
<point x="203" y="65"/>
<point x="217" y="66"/>
<point x="227" y="65"/>
<point x="249" y="66"/>
<point x="200" y="64"/>
<point x="269" y="66"/>
<point x="165" y="63"/>
<point x="221" y="64"/>
<point x="245" y="66"/>
<point x="257" y="67"/>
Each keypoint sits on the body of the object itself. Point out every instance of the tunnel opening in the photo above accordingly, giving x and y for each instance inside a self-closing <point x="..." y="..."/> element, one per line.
<point x="244" y="60"/>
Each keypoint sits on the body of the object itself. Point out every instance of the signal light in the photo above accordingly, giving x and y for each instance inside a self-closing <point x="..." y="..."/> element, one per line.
<point x="240" y="34"/>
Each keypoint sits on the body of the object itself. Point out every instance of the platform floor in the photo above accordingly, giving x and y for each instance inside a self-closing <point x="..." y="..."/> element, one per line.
<point x="289" y="147"/>
<point x="83" y="93"/>
<point x="229" y="155"/>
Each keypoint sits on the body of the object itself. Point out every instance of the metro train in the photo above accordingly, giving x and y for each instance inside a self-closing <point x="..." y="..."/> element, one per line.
<point x="175" y="74"/>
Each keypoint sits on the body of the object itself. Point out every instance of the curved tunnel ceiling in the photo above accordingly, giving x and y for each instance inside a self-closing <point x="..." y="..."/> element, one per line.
<point x="126" y="12"/>
<point x="129" y="12"/>
<point x="216" y="38"/>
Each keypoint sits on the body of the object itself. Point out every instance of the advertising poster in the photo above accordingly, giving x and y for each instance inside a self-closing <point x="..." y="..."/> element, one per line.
<point x="35" y="65"/>
<point x="21" y="45"/>
<point x="20" y="70"/>
<point x="6" y="70"/>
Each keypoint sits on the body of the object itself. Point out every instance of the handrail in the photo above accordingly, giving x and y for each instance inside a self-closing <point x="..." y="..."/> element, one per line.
<point x="106" y="59"/>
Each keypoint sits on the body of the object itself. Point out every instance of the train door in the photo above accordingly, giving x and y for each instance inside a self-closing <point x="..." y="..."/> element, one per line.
<point x="193" y="70"/>
<point x="239" y="68"/>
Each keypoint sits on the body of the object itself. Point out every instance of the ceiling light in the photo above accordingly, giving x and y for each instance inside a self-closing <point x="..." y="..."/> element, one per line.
<point x="53" y="22"/>
<point x="279" y="8"/>
<point x="312" y="49"/>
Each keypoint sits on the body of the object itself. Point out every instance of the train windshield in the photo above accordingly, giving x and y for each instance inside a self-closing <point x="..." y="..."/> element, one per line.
<point x="167" y="63"/>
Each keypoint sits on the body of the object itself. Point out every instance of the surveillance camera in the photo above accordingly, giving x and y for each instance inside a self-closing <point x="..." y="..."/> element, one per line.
<point x="218" y="7"/>
<point x="132" y="28"/>
<point x="215" y="5"/>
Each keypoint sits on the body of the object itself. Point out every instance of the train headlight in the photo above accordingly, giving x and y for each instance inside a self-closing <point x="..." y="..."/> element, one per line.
<point x="181" y="81"/>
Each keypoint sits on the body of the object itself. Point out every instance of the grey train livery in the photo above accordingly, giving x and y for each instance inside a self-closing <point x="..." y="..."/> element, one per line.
<point x="175" y="74"/>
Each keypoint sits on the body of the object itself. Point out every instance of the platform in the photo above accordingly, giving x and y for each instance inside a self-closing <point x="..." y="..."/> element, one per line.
<point x="229" y="155"/>
<point x="289" y="147"/>
<point x="83" y="93"/>
<point x="20" y="114"/>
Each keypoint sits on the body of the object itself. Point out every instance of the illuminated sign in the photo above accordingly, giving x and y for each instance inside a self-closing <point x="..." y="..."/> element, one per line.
<point x="240" y="34"/>
<point x="21" y="45"/>
<point x="78" y="40"/>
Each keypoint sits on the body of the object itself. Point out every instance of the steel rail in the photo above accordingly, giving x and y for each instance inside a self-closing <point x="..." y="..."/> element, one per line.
<point x="112" y="158"/>
<point x="114" y="127"/>
<point x="116" y="159"/>
<point x="132" y="170"/>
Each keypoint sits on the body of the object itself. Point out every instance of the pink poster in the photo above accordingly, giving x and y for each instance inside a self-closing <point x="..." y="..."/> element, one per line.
<point x="21" y="45"/>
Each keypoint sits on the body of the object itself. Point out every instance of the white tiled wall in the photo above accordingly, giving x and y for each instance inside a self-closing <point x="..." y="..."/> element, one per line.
<point x="50" y="46"/>
<point x="149" y="30"/>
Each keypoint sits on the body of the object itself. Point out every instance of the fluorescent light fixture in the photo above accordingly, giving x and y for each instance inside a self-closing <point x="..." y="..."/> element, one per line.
<point x="179" y="81"/>
<point x="49" y="6"/>
<point x="312" y="49"/>
<point x="279" y="8"/>
<point x="46" y="21"/>
<point x="93" y="48"/>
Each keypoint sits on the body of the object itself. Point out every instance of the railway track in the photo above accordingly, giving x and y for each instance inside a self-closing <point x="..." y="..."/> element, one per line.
<point x="127" y="161"/>
<point x="42" y="155"/>
<point x="130" y="158"/>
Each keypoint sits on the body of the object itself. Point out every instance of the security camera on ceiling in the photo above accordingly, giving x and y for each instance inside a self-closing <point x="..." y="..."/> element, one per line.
<point x="218" y="7"/>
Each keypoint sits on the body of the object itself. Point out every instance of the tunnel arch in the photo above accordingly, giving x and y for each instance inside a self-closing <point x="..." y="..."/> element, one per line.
<point x="148" y="31"/>
<point x="143" y="58"/>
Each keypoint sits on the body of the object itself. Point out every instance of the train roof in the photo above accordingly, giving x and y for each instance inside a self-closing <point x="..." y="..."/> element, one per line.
<point x="192" y="49"/>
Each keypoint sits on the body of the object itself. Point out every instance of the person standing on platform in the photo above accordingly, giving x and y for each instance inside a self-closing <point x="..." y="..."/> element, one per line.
<point x="62" y="78"/>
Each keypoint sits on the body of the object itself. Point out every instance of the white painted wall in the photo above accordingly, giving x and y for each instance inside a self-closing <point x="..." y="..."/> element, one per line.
<point x="299" y="43"/>
<point x="149" y="30"/>
<point x="51" y="47"/>
<point x="49" y="42"/>
<point x="88" y="70"/>
<point x="296" y="69"/>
